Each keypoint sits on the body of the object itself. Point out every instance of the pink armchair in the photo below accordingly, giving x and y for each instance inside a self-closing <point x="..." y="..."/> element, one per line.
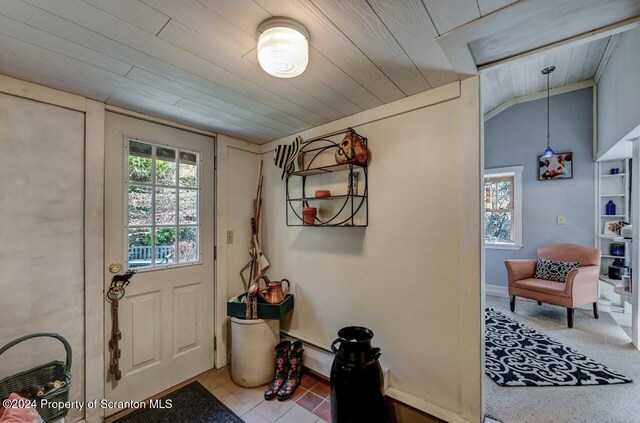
<point x="580" y="288"/>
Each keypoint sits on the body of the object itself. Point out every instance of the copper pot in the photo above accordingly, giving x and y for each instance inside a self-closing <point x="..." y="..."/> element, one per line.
<point x="273" y="294"/>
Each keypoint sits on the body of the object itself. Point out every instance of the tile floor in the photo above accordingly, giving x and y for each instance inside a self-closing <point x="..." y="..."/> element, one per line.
<point x="310" y="403"/>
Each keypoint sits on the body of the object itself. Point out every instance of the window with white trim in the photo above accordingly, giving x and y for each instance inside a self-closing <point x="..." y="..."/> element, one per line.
<point x="503" y="207"/>
<point x="163" y="210"/>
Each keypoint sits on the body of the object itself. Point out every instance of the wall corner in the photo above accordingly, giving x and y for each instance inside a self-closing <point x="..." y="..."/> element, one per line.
<point x="471" y="262"/>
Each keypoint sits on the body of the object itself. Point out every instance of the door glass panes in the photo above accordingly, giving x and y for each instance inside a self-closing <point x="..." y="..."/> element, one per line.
<point x="140" y="201"/>
<point x="188" y="245"/>
<point x="162" y="205"/>
<point x="165" y="246"/>
<point x="140" y="162"/>
<point x="139" y="247"/>
<point x="188" y="170"/>
<point x="165" y="166"/>
<point x="166" y="203"/>
<point x="188" y="206"/>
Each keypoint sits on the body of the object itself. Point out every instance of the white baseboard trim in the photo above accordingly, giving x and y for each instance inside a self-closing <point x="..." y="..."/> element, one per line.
<point x="314" y="357"/>
<point x="425" y="406"/>
<point x="501" y="291"/>
<point x="319" y="359"/>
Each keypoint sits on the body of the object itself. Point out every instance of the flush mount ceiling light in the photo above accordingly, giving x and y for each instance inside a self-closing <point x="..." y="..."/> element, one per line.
<point x="283" y="47"/>
<point x="549" y="151"/>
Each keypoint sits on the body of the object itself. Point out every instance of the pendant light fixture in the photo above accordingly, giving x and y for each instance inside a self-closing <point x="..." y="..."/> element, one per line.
<point x="549" y="151"/>
<point x="283" y="47"/>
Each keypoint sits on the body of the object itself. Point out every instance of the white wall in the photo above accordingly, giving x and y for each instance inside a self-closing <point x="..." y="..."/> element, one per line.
<point x="413" y="275"/>
<point x="42" y="225"/>
<point x="619" y="94"/>
<point x="242" y="181"/>
<point x="237" y="176"/>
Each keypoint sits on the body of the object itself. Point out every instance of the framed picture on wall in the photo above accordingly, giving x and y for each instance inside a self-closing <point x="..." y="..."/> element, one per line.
<point x="559" y="166"/>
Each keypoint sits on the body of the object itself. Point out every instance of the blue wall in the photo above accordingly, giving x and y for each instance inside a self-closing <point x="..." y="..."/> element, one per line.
<point x="619" y="92"/>
<point x="516" y="137"/>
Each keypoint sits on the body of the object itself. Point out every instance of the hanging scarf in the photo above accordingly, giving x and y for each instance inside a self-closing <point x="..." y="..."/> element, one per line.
<point x="284" y="156"/>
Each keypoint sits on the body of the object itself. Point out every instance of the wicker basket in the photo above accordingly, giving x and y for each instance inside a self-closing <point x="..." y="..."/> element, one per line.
<point x="55" y="370"/>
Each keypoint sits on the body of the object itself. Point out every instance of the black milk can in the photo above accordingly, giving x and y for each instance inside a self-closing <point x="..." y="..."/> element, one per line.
<point x="356" y="378"/>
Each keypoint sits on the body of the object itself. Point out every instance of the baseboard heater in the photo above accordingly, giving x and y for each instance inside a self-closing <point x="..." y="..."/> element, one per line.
<point x="319" y="358"/>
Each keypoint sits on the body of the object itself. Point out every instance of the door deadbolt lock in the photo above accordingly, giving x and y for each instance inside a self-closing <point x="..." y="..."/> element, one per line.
<point x="115" y="267"/>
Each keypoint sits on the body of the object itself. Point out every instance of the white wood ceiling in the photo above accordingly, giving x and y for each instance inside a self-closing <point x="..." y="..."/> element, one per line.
<point x="194" y="61"/>
<point x="573" y="64"/>
<point x="542" y="22"/>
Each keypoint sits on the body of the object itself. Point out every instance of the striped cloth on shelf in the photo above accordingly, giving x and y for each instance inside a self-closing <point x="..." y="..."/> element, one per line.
<point x="284" y="156"/>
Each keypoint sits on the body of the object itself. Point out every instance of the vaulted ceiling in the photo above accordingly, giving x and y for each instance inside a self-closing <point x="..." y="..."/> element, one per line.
<point x="194" y="61"/>
<point x="573" y="64"/>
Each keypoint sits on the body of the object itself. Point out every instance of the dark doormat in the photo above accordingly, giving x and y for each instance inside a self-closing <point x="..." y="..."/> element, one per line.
<point x="517" y="355"/>
<point x="192" y="403"/>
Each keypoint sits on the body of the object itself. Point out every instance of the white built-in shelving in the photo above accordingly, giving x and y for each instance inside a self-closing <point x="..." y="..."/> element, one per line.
<point x="612" y="187"/>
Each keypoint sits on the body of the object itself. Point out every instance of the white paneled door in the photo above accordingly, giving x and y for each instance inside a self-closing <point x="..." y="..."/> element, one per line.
<point x="159" y="221"/>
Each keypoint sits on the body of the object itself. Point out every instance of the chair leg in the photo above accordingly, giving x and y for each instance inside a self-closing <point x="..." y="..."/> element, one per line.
<point x="539" y="302"/>
<point x="512" y="303"/>
<point x="570" y="317"/>
<point x="595" y="310"/>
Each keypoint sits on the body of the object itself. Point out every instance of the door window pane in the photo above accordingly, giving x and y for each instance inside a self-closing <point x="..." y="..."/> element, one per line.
<point x="166" y="203"/>
<point x="165" y="166"/>
<point x="140" y="248"/>
<point x="140" y="205"/>
<point x="188" y="245"/>
<point x="140" y="161"/>
<point x="163" y="205"/>
<point x="165" y="246"/>
<point x="188" y="206"/>
<point x="188" y="170"/>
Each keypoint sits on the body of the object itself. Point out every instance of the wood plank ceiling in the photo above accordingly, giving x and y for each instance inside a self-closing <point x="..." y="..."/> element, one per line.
<point x="573" y="64"/>
<point x="540" y="23"/>
<point x="194" y="61"/>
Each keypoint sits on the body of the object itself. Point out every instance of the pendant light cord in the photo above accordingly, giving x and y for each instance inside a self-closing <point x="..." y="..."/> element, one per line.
<point x="548" y="132"/>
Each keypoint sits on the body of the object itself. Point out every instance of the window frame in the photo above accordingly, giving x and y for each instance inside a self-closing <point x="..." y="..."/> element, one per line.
<point x="514" y="172"/>
<point x="512" y="210"/>
<point x="153" y="185"/>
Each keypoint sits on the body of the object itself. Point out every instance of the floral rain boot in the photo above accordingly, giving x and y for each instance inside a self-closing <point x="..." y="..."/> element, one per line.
<point x="295" y="372"/>
<point x="282" y="370"/>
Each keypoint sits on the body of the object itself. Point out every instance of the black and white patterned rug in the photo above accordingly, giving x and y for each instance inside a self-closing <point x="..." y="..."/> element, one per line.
<point x="516" y="355"/>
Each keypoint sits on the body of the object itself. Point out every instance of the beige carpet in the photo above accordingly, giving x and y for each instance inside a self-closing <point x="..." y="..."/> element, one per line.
<point x="602" y="340"/>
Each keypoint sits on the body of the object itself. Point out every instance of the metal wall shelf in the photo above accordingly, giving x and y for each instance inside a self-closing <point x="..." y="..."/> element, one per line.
<point x="352" y="208"/>
<point x="327" y="169"/>
<point x="332" y="197"/>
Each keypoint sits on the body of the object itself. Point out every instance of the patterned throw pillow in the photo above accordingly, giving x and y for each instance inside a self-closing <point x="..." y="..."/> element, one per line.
<point x="553" y="270"/>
